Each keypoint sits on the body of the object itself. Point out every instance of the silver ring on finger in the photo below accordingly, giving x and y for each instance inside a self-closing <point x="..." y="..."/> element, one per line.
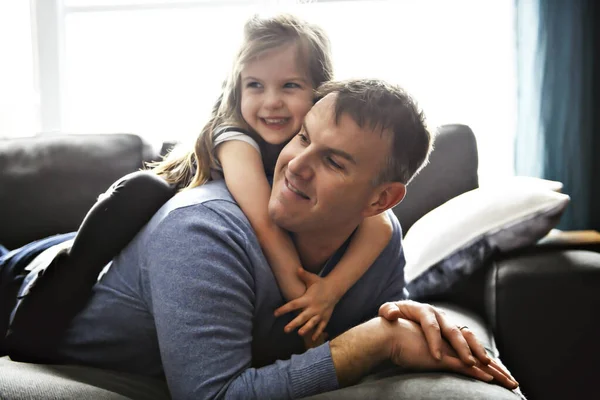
<point x="463" y="327"/>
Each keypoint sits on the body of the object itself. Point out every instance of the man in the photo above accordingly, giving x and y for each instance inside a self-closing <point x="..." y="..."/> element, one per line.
<point x="192" y="298"/>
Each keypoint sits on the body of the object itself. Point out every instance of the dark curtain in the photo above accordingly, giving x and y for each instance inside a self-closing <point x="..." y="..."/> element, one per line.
<point x="558" y="131"/>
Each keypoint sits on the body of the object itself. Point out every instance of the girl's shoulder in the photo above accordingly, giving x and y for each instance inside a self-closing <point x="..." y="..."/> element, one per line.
<point x="227" y="133"/>
<point x="229" y="128"/>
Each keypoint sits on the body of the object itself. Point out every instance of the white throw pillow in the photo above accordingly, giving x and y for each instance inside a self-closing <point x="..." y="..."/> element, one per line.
<point x="458" y="237"/>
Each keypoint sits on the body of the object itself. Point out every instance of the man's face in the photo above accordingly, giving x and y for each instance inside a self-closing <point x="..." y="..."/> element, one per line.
<point x="323" y="177"/>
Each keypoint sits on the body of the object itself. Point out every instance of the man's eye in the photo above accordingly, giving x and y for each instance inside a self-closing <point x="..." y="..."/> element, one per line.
<point x="303" y="138"/>
<point x="334" y="164"/>
<point x="253" y="85"/>
<point x="292" y="85"/>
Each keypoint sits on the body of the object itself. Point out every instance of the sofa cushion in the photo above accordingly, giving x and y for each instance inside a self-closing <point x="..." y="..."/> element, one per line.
<point x="460" y="236"/>
<point x="389" y="385"/>
<point x="48" y="182"/>
<point x="452" y="170"/>
<point x="33" y="381"/>
<point x="23" y="381"/>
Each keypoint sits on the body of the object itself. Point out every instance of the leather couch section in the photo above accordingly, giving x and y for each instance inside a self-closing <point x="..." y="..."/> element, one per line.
<point x="48" y="183"/>
<point x="557" y="292"/>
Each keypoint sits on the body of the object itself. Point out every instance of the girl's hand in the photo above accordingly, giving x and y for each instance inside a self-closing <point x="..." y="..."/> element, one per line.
<point x="317" y="305"/>
<point x="309" y="343"/>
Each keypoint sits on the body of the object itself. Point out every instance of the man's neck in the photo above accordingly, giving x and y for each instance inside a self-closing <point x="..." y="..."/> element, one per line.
<point x="316" y="248"/>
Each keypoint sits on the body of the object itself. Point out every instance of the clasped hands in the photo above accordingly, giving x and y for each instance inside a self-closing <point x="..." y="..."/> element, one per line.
<point x="421" y="336"/>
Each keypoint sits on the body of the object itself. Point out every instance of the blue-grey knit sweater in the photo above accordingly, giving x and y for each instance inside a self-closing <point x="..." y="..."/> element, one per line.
<point x="191" y="298"/>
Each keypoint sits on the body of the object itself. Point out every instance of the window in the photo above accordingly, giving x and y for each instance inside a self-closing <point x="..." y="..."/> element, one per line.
<point x="19" y="102"/>
<point x="154" y="67"/>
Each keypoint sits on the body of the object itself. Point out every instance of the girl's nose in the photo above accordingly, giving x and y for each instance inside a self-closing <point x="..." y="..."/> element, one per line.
<point x="273" y="100"/>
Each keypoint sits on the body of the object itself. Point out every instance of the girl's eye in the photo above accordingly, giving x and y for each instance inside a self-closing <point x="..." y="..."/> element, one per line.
<point x="253" y="85"/>
<point x="334" y="164"/>
<point x="292" y="85"/>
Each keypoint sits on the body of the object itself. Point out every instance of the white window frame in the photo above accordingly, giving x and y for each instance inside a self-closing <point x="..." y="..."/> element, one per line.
<point x="48" y="28"/>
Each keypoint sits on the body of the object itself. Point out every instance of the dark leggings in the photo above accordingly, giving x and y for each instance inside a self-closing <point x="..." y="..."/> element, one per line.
<point x="50" y="299"/>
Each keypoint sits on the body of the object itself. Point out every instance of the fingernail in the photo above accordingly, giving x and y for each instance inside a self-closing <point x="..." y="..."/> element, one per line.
<point x="438" y="355"/>
<point x="473" y="360"/>
<point x="488" y="377"/>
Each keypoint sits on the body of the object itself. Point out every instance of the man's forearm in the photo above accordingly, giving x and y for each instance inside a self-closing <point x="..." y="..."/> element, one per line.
<point x="360" y="349"/>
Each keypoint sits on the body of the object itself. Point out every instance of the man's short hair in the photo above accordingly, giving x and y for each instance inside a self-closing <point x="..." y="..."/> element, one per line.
<point x="387" y="109"/>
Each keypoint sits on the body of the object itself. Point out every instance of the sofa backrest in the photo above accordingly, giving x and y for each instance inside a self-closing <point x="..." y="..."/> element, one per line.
<point x="452" y="170"/>
<point x="48" y="182"/>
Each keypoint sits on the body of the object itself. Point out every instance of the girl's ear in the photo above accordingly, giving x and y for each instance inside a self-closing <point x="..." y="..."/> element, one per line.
<point x="387" y="196"/>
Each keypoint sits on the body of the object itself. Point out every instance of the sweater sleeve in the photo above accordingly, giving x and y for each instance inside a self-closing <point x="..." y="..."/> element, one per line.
<point x="201" y="286"/>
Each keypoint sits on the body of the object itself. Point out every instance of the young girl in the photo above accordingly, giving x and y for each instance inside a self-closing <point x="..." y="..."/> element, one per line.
<point x="269" y="91"/>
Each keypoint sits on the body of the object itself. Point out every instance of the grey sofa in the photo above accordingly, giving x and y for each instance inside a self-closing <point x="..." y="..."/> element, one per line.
<point x="530" y="308"/>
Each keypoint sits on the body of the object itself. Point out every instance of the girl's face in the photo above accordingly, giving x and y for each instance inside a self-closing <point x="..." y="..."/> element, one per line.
<point x="276" y="95"/>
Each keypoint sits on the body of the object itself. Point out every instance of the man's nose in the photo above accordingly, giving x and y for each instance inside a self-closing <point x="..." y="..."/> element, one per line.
<point x="301" y="165"/>
<point x="273" y="100"/>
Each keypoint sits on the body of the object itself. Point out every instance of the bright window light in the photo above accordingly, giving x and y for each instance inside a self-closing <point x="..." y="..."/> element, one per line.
<point x="155" y="67"/>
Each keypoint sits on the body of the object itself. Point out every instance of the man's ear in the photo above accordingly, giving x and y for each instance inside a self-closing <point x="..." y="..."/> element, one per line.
<point x="387" y="196"/>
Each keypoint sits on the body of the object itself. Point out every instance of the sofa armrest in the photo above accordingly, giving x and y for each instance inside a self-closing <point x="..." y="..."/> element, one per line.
<point x="570" y="240"/>
<point x="543" y="307"/>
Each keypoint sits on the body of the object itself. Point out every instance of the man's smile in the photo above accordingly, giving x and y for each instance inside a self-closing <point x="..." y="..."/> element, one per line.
<point x="294" y="189"/>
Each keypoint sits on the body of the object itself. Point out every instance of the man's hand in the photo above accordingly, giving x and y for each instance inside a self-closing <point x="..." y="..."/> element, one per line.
<point x="409" y="349"/>
<point x="434" y="324"/>
<point x="317" y="305"/>
<point x="437" y="327"/>
<point x="357" y="351"/>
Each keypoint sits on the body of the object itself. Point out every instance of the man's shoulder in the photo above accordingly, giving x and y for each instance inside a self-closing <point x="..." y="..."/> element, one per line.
<point x="211" y="191"/>
<point x="211" y="198"/>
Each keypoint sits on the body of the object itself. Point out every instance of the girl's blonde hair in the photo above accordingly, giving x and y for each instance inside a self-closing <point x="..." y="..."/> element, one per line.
<point x="192" y="168"/>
